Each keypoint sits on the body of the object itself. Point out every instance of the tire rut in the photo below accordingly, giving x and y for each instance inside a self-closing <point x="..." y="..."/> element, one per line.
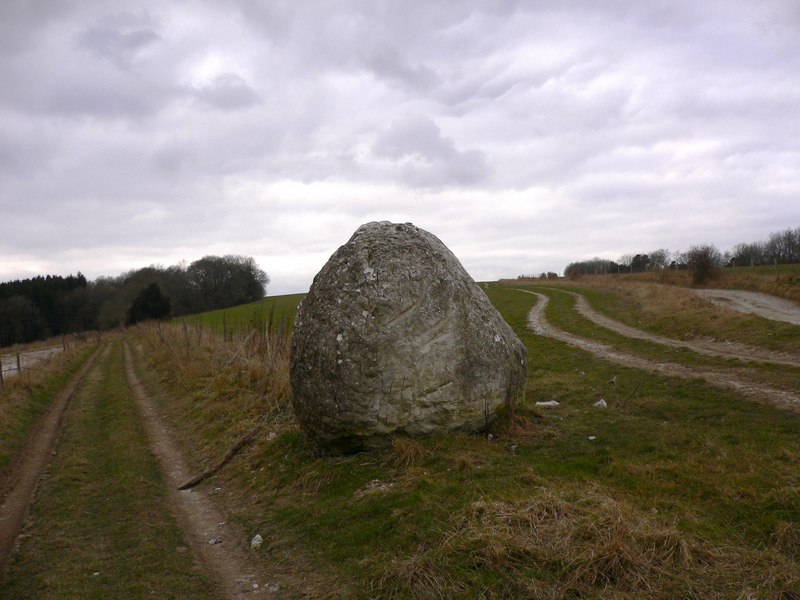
<point x="762" y="393"/>
<point x="194" y="510"/>
<point x="706" y="347"/>
<point x="27" y="468"/>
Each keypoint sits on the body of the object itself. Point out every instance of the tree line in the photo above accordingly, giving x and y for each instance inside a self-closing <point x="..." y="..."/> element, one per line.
<point x="782" y="247"/>
<point x="40" y="307"/>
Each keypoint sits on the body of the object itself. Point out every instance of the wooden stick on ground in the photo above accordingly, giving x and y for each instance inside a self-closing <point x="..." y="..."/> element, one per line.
<point x="225" y="460"/>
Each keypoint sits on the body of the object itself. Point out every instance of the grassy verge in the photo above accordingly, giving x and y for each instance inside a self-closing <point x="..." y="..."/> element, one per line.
<point x="100" y="528"/>
<point x="24" y="397"/>
<point x="678" y="489"/>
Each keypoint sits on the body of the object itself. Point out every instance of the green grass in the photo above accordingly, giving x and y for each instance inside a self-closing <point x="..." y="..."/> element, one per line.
<point x="100" y="527"/>
<point x="674" y="464"/>
<point x="274" y="310"/>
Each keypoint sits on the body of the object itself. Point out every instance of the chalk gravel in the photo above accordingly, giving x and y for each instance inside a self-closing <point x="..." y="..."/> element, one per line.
<point x="782" y="398"/>
<point x="762" y="305"/>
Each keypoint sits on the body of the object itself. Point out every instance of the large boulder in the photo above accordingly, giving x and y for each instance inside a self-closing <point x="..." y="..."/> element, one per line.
<point x="395" y="337"/>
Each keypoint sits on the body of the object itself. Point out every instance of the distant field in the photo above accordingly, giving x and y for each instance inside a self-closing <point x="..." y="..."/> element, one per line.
<point x="793" y="269"/>
<point x="278" y="309"/>
<point x="782" y="281"/>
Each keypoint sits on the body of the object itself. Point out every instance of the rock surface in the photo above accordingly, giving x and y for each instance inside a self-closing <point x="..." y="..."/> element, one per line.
<point x="395" y="337"/>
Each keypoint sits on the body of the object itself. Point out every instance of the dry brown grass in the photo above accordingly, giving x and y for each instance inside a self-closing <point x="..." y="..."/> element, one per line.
<point x="784" y="284"/>
<point x="406" y="452"/>
<point x="311" y="482"/>
<point x="596" y="545"/>
<point x="220" y="388"/>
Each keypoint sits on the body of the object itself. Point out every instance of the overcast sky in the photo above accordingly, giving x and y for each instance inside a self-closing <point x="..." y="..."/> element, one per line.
<point x="525" y="135"/>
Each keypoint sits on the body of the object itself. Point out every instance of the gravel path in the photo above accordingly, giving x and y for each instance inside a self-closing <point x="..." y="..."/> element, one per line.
<point x="762" y="305"/>
<point x="763" y="393"/>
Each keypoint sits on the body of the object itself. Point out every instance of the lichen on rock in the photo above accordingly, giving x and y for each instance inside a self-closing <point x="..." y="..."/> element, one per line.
<point x="394" y="337"/>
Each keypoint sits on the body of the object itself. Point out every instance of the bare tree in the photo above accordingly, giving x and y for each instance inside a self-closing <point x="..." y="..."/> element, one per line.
<point x="659" y="259"/>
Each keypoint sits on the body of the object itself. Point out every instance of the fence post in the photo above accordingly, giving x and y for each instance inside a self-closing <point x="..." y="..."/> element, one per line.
<point x="2" y="383"/>
<point x="19" y="368"/>
<point x="186" y="336"/>
<point x="64" y="343"/>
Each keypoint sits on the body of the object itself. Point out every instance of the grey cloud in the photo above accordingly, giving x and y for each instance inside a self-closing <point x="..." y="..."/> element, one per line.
<point x="418" y="136"/>
<point x="173" y="158"/>
<point x="427" y="158"/>
<point x="62" y="78"/>
<point x="227" y="91"/>
<point x="119" y="38"/>
<point x="104" y="96"/>
<point x="385" y="39"/>
<point x="23" y="21"/>
<point x="390" y="62"/>
<point x="24" y="150"/>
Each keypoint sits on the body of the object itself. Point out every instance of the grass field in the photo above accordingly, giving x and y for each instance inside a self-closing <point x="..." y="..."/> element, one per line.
<point x="277" y="311"/>
<point x="679" y="489"/>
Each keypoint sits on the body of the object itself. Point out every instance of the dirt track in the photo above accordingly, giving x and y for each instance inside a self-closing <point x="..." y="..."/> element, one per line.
<point x="27" y="468"/>
<point x="757" y="391"/>
<point x="196" y="514"/>
<point x="762" y="305"/>
<point x="220" y="548"/>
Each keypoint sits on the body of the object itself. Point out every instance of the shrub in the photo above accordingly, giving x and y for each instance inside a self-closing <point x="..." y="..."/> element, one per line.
<point x="704" y="263"/>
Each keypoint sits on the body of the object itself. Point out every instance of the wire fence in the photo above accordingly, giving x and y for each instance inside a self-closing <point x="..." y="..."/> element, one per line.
<point x="13" y="364"/>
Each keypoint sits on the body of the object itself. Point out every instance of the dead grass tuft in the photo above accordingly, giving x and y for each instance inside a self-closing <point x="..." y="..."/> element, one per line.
<point x="425" y="572"/>
<point x="584" y="544"/>
<point x="521" y="423"/>
<point x="466" y="462"/>
<point x="312" y="482"/>
<point x="406" y="452"/>
<point x="786" y="537"/>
